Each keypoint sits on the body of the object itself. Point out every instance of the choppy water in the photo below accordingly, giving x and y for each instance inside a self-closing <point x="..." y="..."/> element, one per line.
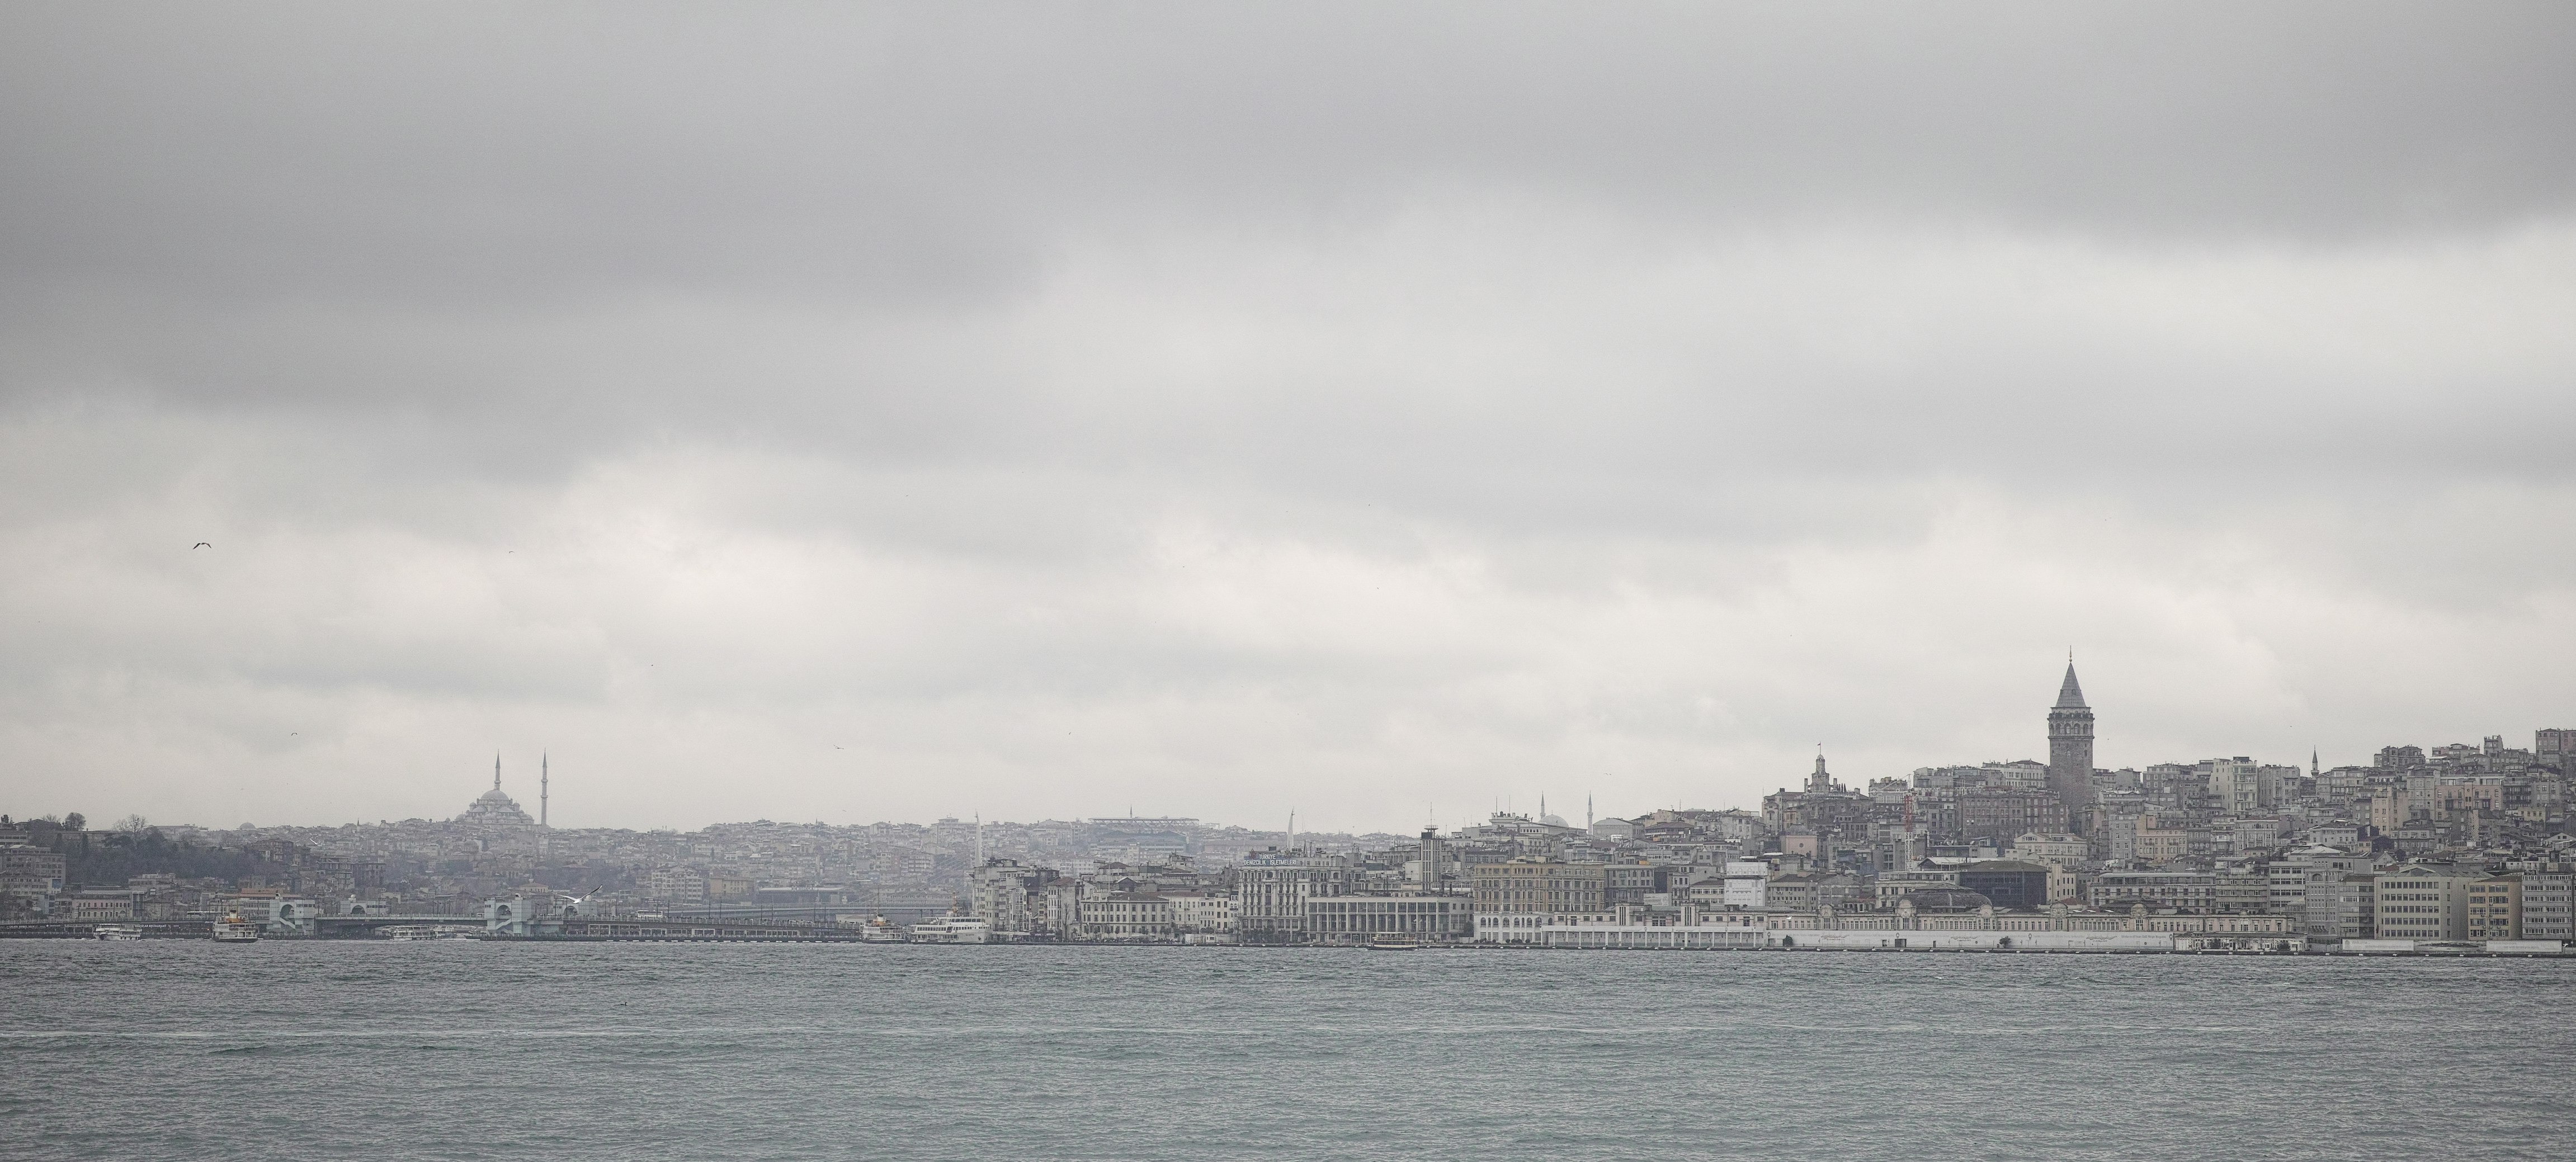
<point x="468" y="1050"/>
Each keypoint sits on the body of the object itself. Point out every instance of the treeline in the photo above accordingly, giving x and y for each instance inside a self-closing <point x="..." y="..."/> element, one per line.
<point x="110" y="858"/>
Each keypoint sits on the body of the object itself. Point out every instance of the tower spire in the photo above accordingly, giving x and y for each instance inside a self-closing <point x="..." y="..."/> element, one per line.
<point x="542" y="776"/>
<point x="496" y="770"/>
<point x="2070" y="694"/>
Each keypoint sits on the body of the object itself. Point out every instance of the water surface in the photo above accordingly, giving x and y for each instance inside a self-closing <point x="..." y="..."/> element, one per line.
<point x="444" y="1049"/>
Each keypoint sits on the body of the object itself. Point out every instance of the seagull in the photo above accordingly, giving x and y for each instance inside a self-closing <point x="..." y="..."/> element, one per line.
<point x="201" y="545"/>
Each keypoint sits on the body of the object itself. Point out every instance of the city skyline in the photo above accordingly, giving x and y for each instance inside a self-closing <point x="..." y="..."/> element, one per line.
<point x="2069" y="747"/>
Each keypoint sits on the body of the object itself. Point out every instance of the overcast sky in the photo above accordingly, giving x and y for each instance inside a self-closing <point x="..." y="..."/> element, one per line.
<point x="1371" y="410"/>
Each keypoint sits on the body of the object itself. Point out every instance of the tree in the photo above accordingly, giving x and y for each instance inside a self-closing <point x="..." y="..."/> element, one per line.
<point x="134" y="824"/>
<point x="74" y="822"/>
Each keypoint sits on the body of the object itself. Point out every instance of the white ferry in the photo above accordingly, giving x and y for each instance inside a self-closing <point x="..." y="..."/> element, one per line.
<point x="118" y="932"/>
<point x="952" y="930"/>
<point x="880" y="931"/>
<point x="1394" y="942"/>
<point x="232" y="929"/>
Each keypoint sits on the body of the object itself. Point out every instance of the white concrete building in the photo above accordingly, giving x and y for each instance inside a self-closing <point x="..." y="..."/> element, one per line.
<point x="1747" y="885"/>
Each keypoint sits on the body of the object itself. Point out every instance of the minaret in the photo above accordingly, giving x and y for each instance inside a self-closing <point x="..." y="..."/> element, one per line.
<point x="542" y="776"/>
<point x="496" y="770"/>
<point x="2070" y="750"/>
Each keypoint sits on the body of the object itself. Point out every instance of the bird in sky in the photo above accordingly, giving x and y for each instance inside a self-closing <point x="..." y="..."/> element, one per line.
<point x="201" y="545"/>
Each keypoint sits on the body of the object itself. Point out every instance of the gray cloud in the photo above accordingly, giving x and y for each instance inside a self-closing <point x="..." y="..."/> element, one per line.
<point x="1230" y="408"/>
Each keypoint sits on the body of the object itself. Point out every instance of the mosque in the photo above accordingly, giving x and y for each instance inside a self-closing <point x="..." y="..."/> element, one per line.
<point x="495" y="809"/>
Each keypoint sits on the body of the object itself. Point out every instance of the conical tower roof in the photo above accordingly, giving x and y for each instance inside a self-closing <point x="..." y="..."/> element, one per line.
<point x="2069" y="695"/>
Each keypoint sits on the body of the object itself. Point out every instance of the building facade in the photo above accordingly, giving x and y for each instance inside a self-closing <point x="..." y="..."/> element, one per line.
<point x="1425" y="917"/>
<point x="1543" y="886"/>
<point x="2422" y="902"/>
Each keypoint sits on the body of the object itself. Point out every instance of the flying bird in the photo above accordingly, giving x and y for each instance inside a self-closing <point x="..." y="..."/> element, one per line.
<point x="201" y="545"/>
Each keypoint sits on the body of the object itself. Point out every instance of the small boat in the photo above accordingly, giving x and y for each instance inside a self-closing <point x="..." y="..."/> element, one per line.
<point x="232" y="929"/>
<point x="1394" y="942"/>
<point x="952" y="930"/>
<point x="118" y="932"/>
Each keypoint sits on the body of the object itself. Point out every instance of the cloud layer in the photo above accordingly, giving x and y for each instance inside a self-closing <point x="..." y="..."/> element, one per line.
<point x="801" y="413"/>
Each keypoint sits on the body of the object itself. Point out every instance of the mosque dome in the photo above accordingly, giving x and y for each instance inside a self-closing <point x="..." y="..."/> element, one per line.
<point x="494" y="808"/>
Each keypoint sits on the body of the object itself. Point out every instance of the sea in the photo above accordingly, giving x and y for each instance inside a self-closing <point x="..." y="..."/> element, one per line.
<point x="473" y="1050"/>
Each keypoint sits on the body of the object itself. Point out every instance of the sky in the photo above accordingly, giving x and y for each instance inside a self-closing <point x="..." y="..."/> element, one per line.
<point x="1381" y="412"/>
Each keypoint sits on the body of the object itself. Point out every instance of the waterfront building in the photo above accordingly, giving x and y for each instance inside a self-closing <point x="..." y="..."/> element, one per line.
<point x="1509" y="927"/>
<point x="2548" y="895"/>
<point x="1057" y="909"/>
<point x="2422" y="902"/>
<point x="1271" y="890"/>
<point x="1127" y="916"/>
<point x="1006" y="895"/>
<point x="1544" y="886"/>
<point x="2352" y="911"/>
<point x="96" y="905"/>
<point x="1202" y="912"/>
<point x="1425" y="917"/>
<point x="2495" y="908"/>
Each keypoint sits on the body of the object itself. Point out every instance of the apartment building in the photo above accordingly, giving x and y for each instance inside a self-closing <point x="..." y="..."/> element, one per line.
<point x="2422" y="902"/>
<point x="2495" y="908"/>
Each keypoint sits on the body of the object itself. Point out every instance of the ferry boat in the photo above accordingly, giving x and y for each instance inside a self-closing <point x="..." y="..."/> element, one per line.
<point x="118" y="932"/>
<point x="1394" y="942"/>
<point x="952" y="930"/>
<point x="879" y="931"/>
<point x="232" y="929"/>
